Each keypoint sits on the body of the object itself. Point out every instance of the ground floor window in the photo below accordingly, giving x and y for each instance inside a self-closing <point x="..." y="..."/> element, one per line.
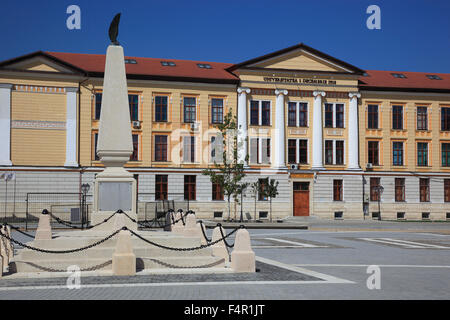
<point x="161" y="187"/>
<point x="424" y="189"/>
<point x="337" y="190"/>
<point x="374" y="184"/>
<point x="189" y="187"/>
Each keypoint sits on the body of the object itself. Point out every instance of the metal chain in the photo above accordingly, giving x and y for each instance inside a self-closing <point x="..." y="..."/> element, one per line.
<point x="142" y="223"/>
<point x="69" y="224"/>
<point x="62" y="251"/>
<point x="48" y="269"/>
<point x="169" y="265"/>
<point x="4" y="243"/>
<point x="183" y="249"/>
<point x="20" y="231"/>
<point x="224" y="241"/>
<point x="203" y="231"/>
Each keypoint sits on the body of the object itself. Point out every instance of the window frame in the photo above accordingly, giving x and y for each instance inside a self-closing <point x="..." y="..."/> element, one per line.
<point x="190" y="111"/>
<point x="338" y="190"/>
<point x="161" y="155"/>
<point x="156" y="105"/>
<point x="161" y="187"/>
<point x="399" y="190"/>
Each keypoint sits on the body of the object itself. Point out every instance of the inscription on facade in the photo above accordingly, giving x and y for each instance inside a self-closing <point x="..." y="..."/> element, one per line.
<point x="299" y="80"/>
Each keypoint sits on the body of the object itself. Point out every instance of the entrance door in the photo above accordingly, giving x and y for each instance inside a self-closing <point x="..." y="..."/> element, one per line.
<point x="301" y="199"/>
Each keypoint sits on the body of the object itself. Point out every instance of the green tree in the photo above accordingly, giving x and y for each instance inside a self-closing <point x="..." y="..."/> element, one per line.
<point x="229" y="173"/>
<point x="271" y="191"/>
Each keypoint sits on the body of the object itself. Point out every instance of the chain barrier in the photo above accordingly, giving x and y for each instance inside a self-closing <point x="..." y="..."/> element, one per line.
<point x="69" y="224"/>
<point x="48" y="269"/>
<point x="62" y="251"/>
<point x="203" y="246"/>
<point x="18" y="230"/>
<point x="223" y="237"/>
<point x="169" y="265"/>
<point x="142" y="223"/>
<point x="4" y="244"/>
<point x="203" y="231"/>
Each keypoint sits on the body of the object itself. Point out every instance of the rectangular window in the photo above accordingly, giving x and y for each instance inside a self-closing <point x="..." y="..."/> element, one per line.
<point x="397" y="153"/>
<point x="445" y="154"/>
<point x="161" y="187"/>
<point x="328" y="151"/>
<point x="254" y="150"/>
<point x="399" y="189"/>
<point x="339" y="152"/>
<point x="98" y="106"/>
<point x="135" y="155"/>
<point x="216" y="110"/>
<point x="160" y="148"/>
<point x="217" y="193"/>
<point x="303" y="114"/>
<point x="446" y="190"/>
<point x="265" y="117"/>
<point x="303" y="151"/>
<point x="189" y="149"/>
<point x="372" y="116"/>
<point x="339" y="115"/>
<point x="265" y="145"/>
<point x="254" y="112"/>
<point x="422" y="154"/>
<point x="263" y="185"/>
<point x="292" y="114"/>
<point x="189" y="187"/>
<point x="373" y="152"/>
<point x="328" y="115"/>
<point x="133" y="100"/>
<point x="292" y="151"/>
<point x="422" y="118"/>
<point x="337" y="190"/>
<point x="217" y="148"/>
<point x="397" y="117"/>
<point x="96" y="157"/>
<point x="424" y="189"/>
<point x="189" y="105"/>
<point x="445" y="118"/>
<point x="374" y="184"/>
<point x="161" y="108"/>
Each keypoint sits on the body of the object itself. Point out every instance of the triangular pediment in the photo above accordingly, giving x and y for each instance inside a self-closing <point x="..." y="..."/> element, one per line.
<point x="39" y="62"/>
<point x="299" y="58"/>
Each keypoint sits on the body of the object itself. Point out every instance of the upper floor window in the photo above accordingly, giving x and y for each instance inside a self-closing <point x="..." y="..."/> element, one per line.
<point x="265" y="113"/>
<point x="328" y="151"/>
<point x="292" y="114"/>
<point x="334" y="115"/>
<point x="216" y="148"/>
<point x="445" y="118"/>
<point x="372" y="116"/>
<point x="189" y="106"/>
<point x="302" y="155"/>
<point x="216" y="110"/>
<point x="373" y="150"/>
<point x="397" y="117"/>
<point x="297" y="114"/>
<point x="161" y="108"/>
<point x="260" y="150"/>
<point x="133" y="101"/>
<point x="422" y="118"/>
<point x="189" y="149"/>
<point x="260" y="113"/>
<point x="98" y="106"/>
<point x="160" y="148"/>
<point x="397" y="153"/>
<point x="422" y="154"/>
<point x="445" y="154"/>
<point x="135" y="155"/>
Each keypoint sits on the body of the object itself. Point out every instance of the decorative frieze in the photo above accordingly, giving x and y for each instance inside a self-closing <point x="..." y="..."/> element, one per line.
<point x="36" y="124"/>
<point x="39" y="89"/>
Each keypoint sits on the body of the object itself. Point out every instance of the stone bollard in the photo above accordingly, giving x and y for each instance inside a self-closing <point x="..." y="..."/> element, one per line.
<point x="190" y="228"/>
<point x="178" y="226"/>
<point x="124" y="259"/>
<point x="7" y="231"/>
<point x="4" y="252"/>
<point x="120" y="221"/>
<point x="242" y="256"/>
<point x="169" y="218"/>
<point x="219" y="249"/>
<point x="44" y="230"/>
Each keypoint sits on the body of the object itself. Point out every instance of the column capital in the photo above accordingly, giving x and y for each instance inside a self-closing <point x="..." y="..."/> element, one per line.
<point x="241" y="90"/>
<point x="71" y="89"/>
<point x="281" y="91"/>
<point x="319" y="93"/>
<point x="6" y="85"/>
<point x="354" y="94"/>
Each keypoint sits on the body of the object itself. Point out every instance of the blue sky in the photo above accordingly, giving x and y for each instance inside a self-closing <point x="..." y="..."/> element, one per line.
<point x="414" y="35"/>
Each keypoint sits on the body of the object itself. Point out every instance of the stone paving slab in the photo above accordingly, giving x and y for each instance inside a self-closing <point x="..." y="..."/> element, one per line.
<point x="266" y="272"/>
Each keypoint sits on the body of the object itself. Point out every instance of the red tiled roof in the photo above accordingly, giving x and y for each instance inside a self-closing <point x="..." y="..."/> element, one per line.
<point x="417" y="81"/>
<point x="184" y="69"/>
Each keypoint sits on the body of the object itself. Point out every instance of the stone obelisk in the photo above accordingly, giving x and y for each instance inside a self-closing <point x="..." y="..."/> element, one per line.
<point x="115" y="187"/>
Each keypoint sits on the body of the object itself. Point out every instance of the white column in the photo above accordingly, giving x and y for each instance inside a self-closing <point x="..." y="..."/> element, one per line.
<point x="242" y="124"/>
<point x="280" y="137"/>
<point x="353" y="134"/>
<point x="71" y="127"/>
<point x="317" y="162"/>
<point x="5" y="124"/>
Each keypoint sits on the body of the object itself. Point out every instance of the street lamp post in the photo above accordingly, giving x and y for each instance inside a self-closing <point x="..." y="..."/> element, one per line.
<point x="84" y="190"/>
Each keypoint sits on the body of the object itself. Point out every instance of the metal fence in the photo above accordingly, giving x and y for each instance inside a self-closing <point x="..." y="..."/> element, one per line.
<point x="153" y="211"/>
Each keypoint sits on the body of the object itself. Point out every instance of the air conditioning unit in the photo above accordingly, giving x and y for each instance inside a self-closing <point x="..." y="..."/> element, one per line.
<point x="369" y="166"/>
<point x="195" y="126"/>
<point x="294" y="166"/>
<point x="136" y="124"/>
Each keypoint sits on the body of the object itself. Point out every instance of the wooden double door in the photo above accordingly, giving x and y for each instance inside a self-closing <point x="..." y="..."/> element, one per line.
<point x="301" y="199"/>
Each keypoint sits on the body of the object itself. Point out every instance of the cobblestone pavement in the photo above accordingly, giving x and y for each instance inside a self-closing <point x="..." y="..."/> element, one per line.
<point x="294" y="264"/>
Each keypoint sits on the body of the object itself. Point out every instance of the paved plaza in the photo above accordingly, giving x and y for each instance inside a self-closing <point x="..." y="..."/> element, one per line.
<point x="330" y="260"/>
